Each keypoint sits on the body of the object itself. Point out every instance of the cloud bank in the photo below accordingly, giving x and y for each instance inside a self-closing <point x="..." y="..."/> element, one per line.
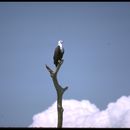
<point x="85" y="114"/>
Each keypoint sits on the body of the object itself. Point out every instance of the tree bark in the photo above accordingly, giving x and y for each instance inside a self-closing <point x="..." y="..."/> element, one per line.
<point x="60" y="91"/>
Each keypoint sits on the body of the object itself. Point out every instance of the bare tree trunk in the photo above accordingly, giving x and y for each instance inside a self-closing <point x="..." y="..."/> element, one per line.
<point x="60" y="90"/>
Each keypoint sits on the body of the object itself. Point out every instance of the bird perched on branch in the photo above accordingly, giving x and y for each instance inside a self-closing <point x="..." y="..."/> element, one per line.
<point x="58" y="53"/>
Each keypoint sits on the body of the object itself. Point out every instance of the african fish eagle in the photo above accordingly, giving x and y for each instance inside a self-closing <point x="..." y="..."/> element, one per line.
<point x="58" y="53"/>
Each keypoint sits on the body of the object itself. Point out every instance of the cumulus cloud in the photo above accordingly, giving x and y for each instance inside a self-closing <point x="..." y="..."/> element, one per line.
<point x="85" y="114"/>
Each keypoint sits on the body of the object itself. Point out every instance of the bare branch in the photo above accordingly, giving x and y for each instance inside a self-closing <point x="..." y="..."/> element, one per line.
<point x="58" y="66"/>
<point x="60" y="90"/>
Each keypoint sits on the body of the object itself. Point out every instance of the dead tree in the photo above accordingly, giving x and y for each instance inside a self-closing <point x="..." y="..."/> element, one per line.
<point x="60" y="91"/>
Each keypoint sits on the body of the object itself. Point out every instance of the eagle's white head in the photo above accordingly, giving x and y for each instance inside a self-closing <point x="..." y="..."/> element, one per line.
<point x="60" y="44"/>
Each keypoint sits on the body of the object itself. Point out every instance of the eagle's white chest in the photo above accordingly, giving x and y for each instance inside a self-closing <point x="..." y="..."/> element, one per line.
<point x="61" y="46"/>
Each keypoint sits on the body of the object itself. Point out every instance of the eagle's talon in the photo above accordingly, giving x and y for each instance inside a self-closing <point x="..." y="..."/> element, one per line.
<point x="59" y="61"/>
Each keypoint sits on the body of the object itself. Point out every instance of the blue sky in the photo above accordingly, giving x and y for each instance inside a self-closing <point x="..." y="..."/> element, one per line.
<point x="96" y="61"/>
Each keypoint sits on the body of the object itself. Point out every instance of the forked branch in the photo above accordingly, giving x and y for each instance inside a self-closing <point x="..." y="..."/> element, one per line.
<point x="60" y="90"/>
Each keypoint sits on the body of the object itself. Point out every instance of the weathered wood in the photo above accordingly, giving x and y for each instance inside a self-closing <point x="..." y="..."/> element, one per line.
<point x="60" y="91"/>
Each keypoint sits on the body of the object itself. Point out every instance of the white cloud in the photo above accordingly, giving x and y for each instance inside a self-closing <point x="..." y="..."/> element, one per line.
<point x="85" y="114"/>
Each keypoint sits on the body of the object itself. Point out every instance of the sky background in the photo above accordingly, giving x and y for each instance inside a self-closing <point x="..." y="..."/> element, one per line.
<point x="96" y="60"/>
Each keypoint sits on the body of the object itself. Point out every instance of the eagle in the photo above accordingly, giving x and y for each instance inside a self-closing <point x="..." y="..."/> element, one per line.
<point x="58" y="53"/>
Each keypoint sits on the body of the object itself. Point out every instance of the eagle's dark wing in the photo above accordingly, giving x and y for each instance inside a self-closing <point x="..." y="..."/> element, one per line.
<point x="57" y="55"/>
